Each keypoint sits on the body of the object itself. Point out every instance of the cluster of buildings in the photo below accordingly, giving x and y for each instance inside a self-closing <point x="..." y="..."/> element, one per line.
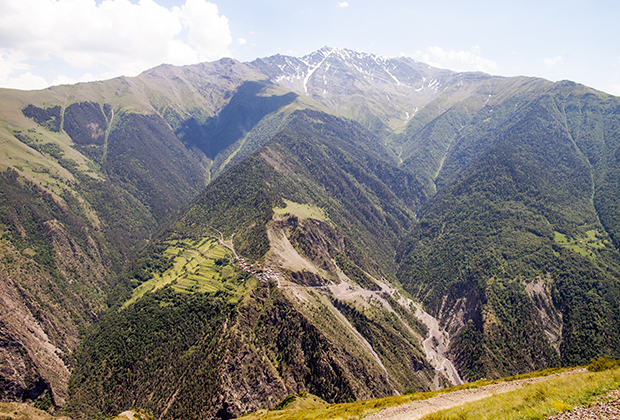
<point x="269" y="275"/>
<point x="263" y="275"/>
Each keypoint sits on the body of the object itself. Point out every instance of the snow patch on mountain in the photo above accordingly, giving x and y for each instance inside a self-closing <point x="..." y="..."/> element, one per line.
<point x="359" y="84"/>
<point x="312" y="69"/>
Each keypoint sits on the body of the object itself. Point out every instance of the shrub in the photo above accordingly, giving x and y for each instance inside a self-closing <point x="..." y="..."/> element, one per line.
<point x="603" y="363"/>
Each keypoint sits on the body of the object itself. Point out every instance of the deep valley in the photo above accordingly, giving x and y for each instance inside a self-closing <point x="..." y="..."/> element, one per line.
<point x="201" y="242"/>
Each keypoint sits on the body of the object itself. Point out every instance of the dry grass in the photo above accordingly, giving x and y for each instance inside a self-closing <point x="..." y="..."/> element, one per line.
<point x="22" y="411"/>
<point x="539" y="400"/>
<point x="532" y="401"/>
<point x="302" y="211"/>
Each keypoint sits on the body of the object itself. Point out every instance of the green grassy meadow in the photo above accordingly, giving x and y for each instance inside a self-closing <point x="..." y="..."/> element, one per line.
<point x="198" y="266"/>
<point x="581" y="245"/>
<point x="539" y="400"/>
<point x="302" y="211"/>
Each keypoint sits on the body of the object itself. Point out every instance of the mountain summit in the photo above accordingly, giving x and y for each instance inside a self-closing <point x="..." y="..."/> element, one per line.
<point x="359" y="85"/>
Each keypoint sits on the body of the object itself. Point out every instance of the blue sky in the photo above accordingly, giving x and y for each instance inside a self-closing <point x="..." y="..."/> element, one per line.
<point x="44" y="42"/>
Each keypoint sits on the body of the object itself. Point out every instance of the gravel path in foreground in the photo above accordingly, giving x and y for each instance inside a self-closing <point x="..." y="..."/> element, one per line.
<point x="418" y="409"/>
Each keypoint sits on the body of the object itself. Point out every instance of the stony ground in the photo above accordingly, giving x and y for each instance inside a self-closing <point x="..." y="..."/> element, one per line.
<point x="608" y="410"/>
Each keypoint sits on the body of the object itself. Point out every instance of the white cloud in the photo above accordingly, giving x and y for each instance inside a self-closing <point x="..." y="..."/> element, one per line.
<point x="26" y="81"/>
<point x="553" y="61"/>
<point x="113" y="38"/>
<point x="16" y="73"/>
<point x="208" y="33"/>
<point x="65" y="80"/>
<point x="456" y="60"/>
<point x="614" y="90"/>
<point x="343" y="4"/>
<point x="242" y="41"/>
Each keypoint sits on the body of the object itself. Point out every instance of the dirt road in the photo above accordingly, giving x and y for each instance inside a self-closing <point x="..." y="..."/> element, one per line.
<point x="418" y="409"/>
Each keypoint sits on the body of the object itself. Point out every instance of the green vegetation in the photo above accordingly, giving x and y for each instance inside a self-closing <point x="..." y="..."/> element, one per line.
<point x="21" y="411"/>
<point x="521" y="212"/>
<point x="54" y="272"/>
<point x="53" y="150"/>
<point x="73" y="215"/>
<point x="392" y="341"/>
<point x="482" y="242"/>
<point x="302" y="211"/>
<point x="299" y="401"/>
<point x="46" y="117"/>
<point x="266" y="328"/>
<point x="498" y="198"/>
<point x="355" y="273"/>
<point x="26" y="214"/>
<point x="246" y="108"/>
<point x="581" y="245"/>
<point x="166" y="341"/>
<point x="194" y="266"/>
<point x="597" y="384"/>
<point x="329" y="171"/>
<point x="539" y="400"/>
<point x="347" y="411"/>
<point x="85" y="123"/>
<point x="211" y="337"/>
<point x="238" y="203"/>
<point x="603" y="363"/>
<point x="454" y="130"/>
<point x="145" y="159"/>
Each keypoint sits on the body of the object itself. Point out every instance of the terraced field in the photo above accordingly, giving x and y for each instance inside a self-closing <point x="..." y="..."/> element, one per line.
<point x="198" y="266"/>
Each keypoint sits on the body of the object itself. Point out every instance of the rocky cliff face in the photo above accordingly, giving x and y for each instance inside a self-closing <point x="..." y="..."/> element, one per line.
<point x="50" y="289"/>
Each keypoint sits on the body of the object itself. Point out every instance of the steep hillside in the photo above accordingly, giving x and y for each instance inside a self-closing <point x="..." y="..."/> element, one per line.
<point x="83" y="188"/>
<point x="457" y="127"/>
<point x="514" y="255"/>
<point x="342" y="224"/>
<point x="380" y="93"/>
<point x="90" y="172"/>
<point x="52" y="277"/>
<point x="345" y="172"/>
<point x="317" y="216"/>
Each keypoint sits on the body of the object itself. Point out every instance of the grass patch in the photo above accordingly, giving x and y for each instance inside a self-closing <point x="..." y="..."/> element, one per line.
<point x="302" y="211"/>
<point x="354" y="410"/>
<point x="22" y="411"/>
<point x="603" y="363"/>
<point x="593" y="239"/>
<point x="537" y="401"/>
<point x="300" y="401"/>
<point x="198" y="266"/>
<point x="581" y="245"/>
<point x="556" y="393"/>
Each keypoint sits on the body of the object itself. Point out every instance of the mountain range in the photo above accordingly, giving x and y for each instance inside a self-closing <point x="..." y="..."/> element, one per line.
<point x="202" y="241"/>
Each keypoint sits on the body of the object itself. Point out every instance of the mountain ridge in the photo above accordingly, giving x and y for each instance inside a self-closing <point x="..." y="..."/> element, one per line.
<point x="374" y="187"/>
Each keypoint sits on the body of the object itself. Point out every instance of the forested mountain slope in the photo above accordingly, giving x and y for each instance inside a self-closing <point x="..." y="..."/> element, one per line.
<point x="374" y="187"/>
<point x="518" y="249"/>
<point x="90" y="172"/>
<point x="321" y="213"/>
